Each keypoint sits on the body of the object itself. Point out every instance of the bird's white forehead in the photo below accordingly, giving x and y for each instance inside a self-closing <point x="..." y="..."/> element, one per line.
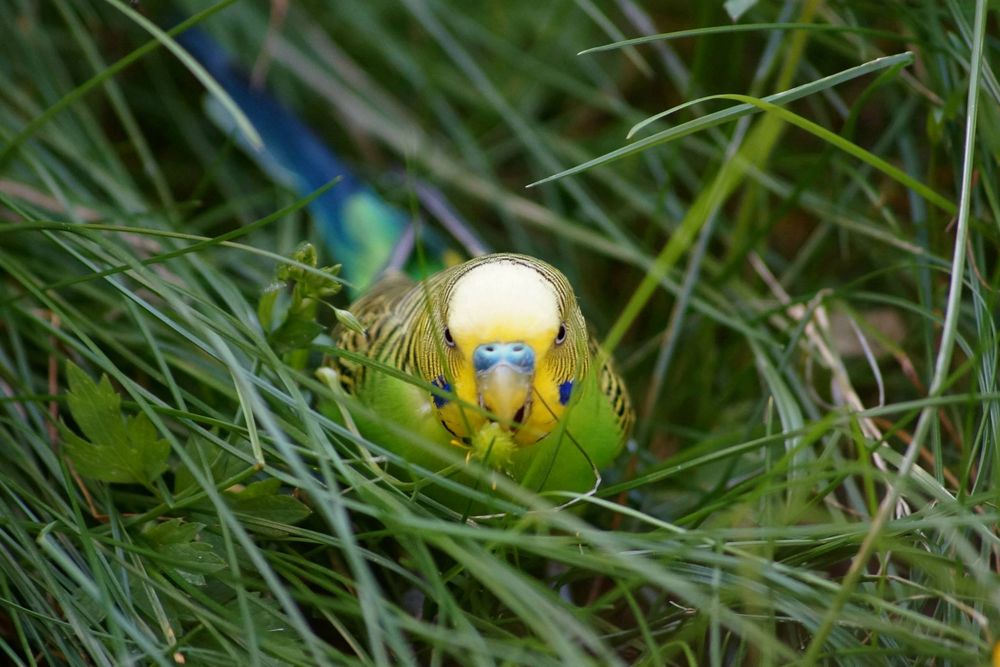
<point x="502" y="297"/>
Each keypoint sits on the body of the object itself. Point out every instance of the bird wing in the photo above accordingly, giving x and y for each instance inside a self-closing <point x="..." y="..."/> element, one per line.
<point x="613" y="387"/>
<point x="381" y="313"/>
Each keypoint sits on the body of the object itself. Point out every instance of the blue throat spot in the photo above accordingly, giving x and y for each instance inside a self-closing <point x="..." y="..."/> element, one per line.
<point x="565" y="389"/>
<point x="441" y="383"/>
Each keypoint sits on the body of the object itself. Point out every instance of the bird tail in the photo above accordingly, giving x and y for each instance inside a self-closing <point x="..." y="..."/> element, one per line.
<point x="361" y="230"/>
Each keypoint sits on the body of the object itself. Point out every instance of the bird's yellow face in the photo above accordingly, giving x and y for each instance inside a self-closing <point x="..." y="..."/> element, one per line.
<point x="511" y="343"/>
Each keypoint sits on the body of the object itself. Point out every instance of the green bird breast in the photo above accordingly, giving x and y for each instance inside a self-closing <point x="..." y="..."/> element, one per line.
<point x="424" y="393"/>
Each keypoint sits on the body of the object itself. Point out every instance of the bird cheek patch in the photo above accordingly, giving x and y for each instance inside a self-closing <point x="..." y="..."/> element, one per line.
<point x="441" y="383"/>
<point x="565" y="391"/>
<point x="459" y="422"/>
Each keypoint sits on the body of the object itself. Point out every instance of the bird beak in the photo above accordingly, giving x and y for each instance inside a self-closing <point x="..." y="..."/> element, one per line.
<point x="505" y="374"/>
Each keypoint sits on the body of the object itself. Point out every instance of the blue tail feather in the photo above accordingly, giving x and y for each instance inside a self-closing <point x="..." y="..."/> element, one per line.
<point x="360" y="229"/>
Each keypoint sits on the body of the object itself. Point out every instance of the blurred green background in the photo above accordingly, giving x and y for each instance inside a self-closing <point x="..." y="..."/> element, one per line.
<point x="813" y="475"/>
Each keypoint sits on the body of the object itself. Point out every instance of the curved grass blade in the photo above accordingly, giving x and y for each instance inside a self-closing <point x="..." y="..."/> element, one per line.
<point x="103" y="76"/>
<point x="748" y="27"/>
<point x="849" y="147"/>
<point x="942" y="362"/>
<point x="719" y="117"/>
<point x="213" y="88"/>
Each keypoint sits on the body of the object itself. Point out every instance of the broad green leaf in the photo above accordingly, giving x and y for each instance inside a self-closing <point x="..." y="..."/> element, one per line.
<point x="92" y="461"/>
<point x="268" y="620"/>
<point x="119" y="450"/>
<point x="295" y="333"/>
<point x="175" y="543"/>
<point x="262" y="500"/>
<point x="95" y="406"/>
<point x="263" y="488"/>
<point x="278" y="508"/>
<point x="174" y="531"/>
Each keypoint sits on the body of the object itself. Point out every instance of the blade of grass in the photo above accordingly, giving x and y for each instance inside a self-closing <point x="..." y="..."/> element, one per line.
<point x="943" y="360"/>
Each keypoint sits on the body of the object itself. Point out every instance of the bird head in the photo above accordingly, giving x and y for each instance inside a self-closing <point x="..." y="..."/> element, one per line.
<point x="505" y="337"/>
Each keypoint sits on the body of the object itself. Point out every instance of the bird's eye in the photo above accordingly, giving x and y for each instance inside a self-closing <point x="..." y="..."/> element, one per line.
<point x="447" y="337"/>
<point x="561" y="336"/>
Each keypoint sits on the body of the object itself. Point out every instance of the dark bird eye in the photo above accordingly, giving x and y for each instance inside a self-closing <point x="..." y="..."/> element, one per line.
<point x="561" y="336"/>
<point x="447" y="337"/>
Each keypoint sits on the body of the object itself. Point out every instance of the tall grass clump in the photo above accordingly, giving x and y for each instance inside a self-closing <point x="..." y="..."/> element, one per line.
<point x="782" y="216"/>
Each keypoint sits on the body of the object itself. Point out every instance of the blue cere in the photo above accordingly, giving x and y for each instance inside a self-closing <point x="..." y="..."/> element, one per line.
<point x="440" y="382"/>
<point x="565" y="389"/>
<point x="518" y="355"/>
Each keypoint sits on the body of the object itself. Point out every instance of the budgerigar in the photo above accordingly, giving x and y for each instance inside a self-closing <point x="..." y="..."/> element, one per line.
<point x="502" y="338"/>
<point x="496" y="350"/>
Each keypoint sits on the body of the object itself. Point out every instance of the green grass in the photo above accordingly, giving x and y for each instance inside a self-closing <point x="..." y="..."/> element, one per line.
<point x="800" y="289"/>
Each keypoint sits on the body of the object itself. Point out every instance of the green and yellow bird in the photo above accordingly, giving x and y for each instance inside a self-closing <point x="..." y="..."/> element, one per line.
<point x="507" y="368"/>
<point x="497" y="345"/>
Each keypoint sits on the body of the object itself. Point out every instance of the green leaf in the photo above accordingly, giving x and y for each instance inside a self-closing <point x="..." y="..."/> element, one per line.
<point x="268" y="621"/>
<point x="277" y="509"/>
<point x="261" y="489"/>
<point x="95" y="407"/>
<point x="295" y="333"/>
<point x="174" y="531"/>
<point x="119" y="450"/>
<point x="175" y="543"/>
<point x="193" y="557"/>
<point x="262" y="500"/>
